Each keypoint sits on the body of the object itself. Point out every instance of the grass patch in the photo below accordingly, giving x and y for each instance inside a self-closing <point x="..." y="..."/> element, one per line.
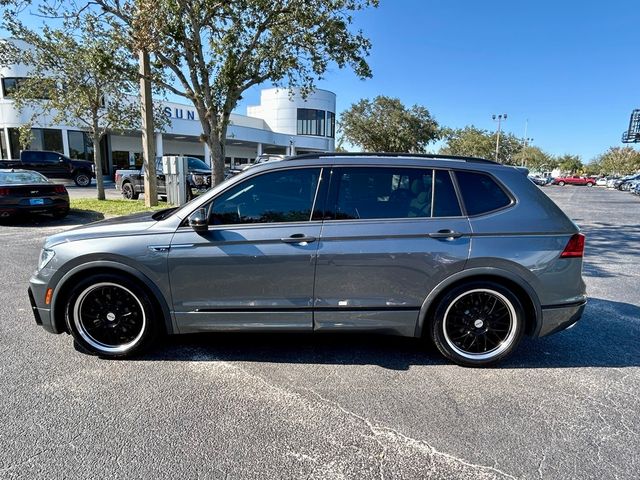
<point x="113" y="208"/>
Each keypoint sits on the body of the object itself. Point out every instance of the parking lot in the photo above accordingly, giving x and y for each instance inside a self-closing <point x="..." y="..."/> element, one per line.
<point x="332" y="407"/>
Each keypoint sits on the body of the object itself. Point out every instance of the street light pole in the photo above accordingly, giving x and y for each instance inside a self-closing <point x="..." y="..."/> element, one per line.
<point x="499" y="118"/>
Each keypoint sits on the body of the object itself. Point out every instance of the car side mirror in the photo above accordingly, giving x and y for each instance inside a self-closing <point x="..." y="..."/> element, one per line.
<point x="198" y="221"/>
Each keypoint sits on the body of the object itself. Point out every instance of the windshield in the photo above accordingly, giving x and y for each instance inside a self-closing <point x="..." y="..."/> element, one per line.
<point x="17" y="178"/>
<point x="197" y="164"/>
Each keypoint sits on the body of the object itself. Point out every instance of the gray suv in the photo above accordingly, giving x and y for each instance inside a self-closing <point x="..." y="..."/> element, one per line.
<point x="462" y="251"/>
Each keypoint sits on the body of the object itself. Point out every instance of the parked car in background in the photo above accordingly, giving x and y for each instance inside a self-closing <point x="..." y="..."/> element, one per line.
<point x="574" y="180"/>
<point x="53" y="165"/>
<point x="636" y="189"/>
<point x="259" y="160"/>
<point x="611" y="181"/>
<point x="26" y="191"/>
<point x="131" y="182"/>
<point x="463" y="251"/>
<point x="601" y="182"/>
<point x="625" y="182"/>
<point x="540" y="181"/>
<point x="630" y="185"/>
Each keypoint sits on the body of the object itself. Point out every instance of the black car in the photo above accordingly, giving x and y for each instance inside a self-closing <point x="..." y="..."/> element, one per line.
<point x="26" y="191"/>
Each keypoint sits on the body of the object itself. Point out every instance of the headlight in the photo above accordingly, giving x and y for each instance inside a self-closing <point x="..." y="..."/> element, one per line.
<point x="198" y="179"/>
<point x="45" y="257"/>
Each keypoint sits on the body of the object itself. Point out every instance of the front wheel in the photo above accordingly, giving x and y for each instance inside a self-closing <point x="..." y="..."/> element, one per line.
<point x="561" y="184"/>
<point x="111" y="316"/>
<point x="478" y="324"/>
<point x="589" y="184"/>
<point x="82" y="179"/>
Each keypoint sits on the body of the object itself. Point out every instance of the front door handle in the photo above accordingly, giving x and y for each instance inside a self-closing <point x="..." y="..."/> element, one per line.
<point x="446" y="234"/>
<point x="298" y="238"/>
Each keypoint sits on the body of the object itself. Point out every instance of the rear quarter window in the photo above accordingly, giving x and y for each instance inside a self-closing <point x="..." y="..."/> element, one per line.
<point x="481" y="193"/>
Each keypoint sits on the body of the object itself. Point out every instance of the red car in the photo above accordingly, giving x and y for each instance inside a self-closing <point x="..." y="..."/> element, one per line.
<point x="574" y="180"/>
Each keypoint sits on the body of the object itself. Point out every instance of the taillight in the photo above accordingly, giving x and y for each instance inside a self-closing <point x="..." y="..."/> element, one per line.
<point x="117" y="179"/>
<point x="575" y="247"/>
<point x="4" y="192"/>
<point x="60" y="189"/>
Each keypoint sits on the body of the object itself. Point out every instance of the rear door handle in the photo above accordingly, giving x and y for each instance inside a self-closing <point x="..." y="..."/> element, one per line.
<point x="298" y="238"/>
<point x="446" y="234"/>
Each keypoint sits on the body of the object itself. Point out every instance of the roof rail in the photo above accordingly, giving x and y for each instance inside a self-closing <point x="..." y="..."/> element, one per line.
<point x="391" y="155"/>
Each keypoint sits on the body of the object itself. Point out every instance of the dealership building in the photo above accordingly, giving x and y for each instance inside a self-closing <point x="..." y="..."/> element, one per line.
<point x="283" y="123"/>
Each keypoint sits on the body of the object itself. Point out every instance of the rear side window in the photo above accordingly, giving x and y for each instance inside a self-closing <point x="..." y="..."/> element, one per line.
<point x="480" y="193"/>
<point x="385" y="192"/>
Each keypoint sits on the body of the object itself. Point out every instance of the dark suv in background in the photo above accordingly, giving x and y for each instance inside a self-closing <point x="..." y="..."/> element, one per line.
<point x="465" y="252"/>
<point x="53" y="165"/>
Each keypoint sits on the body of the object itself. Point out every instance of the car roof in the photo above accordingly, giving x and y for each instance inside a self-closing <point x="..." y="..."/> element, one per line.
<point x="343" y="155"/>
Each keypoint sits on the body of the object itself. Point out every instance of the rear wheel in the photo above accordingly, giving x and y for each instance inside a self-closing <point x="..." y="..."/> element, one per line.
<point x="589" y="184"/>
<point x="478" y="324"/>
<point x="82" y="179"/>
<point x="111" y="316"/>
<point x="128" y="191"/>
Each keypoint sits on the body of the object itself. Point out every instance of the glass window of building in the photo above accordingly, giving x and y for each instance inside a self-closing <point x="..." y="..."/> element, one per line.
<point x="311" y="122"/>
<point x="331" y="124"/>
<point x="80" y="145"/>
<point x="46" y="139"/>
<point x="14" y="142"/>
<point x="10" y="85"/>
<point x="3" y="145"/>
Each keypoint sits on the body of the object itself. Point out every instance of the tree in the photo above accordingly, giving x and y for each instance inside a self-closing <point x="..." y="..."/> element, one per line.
<point x="385" y="125"/>
<point x="570" y="163"/>
<point x="535" y="159"/>
<point x="474" y="142"/>
<point x="619" y="160"/>
<point x="214" y="51"/>
<point x="79" y="75"/>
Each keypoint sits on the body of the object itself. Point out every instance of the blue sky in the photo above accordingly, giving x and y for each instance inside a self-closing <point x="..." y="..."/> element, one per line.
<point x="570" y="67"/>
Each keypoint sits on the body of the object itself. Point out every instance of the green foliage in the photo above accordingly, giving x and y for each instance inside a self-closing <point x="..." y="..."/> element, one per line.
<point x="619" y="161"/>
<point x="474" y="142"/>
<point x="570" y="164"/>
<point x="535" y="159"/>
<point x="386" y="125"/>
<point x="113" y="208"/>
<point x="213" y="51"/>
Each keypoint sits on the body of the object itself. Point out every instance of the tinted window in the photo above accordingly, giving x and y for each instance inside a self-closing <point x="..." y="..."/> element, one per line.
<point x="381" y="193"/>
<point x="282" y="196"/>
<point x="481" y="193"/>
<point x="197" y="164"/>
<point x="445" y="198"/>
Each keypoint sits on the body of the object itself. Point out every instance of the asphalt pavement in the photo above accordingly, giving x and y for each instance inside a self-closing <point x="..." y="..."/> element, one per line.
<point x="332" y="407"/>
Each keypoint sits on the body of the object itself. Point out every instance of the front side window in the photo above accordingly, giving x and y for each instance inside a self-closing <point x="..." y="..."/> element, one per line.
<point x="480" y="193"/>
<point x="311" y="122"/>
<point x="281" y="196"/>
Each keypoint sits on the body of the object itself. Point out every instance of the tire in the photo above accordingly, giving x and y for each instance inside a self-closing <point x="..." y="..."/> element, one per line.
<point x="95" y="313"/>
<point x="129" y="192"/>
<point x="82" y="179"/>
<point x="561" y="184"/>
<point x="468" y="330"/>
<point x="589" y="184"/>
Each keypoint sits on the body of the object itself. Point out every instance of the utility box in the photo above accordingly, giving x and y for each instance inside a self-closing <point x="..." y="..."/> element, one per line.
<point x="175" y="170"/>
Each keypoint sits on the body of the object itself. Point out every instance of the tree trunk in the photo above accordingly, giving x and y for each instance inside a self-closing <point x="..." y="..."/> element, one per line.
<point x="216" y="142"/>
<point x="148" y="141"/>
<point x="97" y="161"/>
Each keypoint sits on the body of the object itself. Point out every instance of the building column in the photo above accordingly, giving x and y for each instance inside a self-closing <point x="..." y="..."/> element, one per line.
<point x="292" y="150"/>
<point x="259" y="149"/>
<point x="65" y="143"/>
<point x="159" y="145"/>
<point x="207" y="154"/>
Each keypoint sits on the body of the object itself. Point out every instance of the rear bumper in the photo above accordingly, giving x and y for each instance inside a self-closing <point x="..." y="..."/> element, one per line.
<point x="556" y="318"/>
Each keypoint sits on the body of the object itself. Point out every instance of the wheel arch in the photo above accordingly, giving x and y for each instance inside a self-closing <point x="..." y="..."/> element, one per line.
<point x="525" y="293"/>
<point x="69" y="279"/>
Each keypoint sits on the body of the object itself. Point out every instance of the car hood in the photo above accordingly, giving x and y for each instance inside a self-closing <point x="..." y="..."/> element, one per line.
<point x="112" y="227"/>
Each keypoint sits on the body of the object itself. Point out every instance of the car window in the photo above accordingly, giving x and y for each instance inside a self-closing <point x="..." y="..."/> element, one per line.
<point x="445" y="203"/>
<point x="197" y="164"/>
<point x="380" y="192"/>
<point x="51" y="157"/>
<point x="480" y="193"/>
<point x="281" y="196"/>
<point x="16" y="178"/>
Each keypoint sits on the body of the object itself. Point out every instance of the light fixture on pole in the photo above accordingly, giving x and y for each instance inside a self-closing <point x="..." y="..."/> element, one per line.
<point x="499" y="119"/>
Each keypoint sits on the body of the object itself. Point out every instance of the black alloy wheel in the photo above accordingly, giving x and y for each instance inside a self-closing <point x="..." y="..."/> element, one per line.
<point x="111" y="316"/>
<point x="82" y="179"/>
<point x="478" y="324"/>
<point x="128" y="191"/>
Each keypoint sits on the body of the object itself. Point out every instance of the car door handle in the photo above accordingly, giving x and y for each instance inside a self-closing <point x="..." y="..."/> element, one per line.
<point x="298" y="238"/>
<point x="445" y="234"/>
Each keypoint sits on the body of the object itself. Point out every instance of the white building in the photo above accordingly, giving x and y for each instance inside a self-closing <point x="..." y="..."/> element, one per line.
<point x="283" y="123"/>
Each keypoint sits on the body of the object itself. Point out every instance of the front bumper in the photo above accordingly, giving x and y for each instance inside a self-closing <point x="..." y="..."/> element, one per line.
<point x="556" y="318"/>
<point x="42" y="314"/>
